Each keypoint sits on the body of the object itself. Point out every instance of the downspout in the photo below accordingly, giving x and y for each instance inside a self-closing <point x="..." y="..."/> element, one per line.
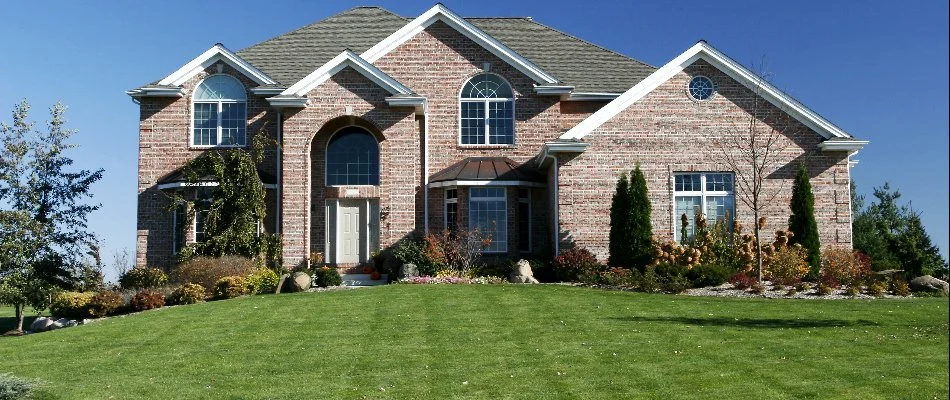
<point x="425" y="164"/>
<point x="557" y="215"/>
<point x="280" y="144"/>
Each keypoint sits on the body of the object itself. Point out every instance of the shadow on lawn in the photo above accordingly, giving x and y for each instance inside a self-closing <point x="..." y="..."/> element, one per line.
<point x="756" y="322"/>
<point x="8" y="323"/>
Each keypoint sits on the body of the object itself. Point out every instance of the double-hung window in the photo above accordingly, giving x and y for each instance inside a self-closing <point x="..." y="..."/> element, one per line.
<point x="487" y="106"/>
<point x="712" y="193"/>
<point x="220" y="113"/>
<point x="488" y="213"/>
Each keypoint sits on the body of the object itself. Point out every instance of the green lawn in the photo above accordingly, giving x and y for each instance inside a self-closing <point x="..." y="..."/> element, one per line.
<point x="496" y="342"/>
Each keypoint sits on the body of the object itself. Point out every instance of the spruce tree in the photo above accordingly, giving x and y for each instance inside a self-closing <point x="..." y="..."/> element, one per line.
<point x="640" y="230"/>
<point x="619" y="221"/>
<point x="802" y="221"/>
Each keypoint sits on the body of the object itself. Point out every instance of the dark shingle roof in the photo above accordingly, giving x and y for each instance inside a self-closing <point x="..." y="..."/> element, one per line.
<point x="588" y="67"/>
<point x="487" y="169"/>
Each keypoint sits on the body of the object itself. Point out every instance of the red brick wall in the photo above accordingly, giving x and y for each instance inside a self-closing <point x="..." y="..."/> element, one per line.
<point x="164" y="145"/>
<point x="666" y="132"/>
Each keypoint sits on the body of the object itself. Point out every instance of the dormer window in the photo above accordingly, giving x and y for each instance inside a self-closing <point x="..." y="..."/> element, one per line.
<point x="220" y="113"/>
<point x="487" y="111"/>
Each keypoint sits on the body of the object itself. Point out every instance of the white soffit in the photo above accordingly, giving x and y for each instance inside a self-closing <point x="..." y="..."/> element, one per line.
<point x="439" y="12"/>
<point x="346" y="59"/>
<point x="216" y="53"/>
<point x="736" y="71"/>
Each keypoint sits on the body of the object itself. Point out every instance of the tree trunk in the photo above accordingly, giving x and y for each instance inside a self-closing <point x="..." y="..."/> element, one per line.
<point x="19" y="317"/>
<point x="758" y="245"/>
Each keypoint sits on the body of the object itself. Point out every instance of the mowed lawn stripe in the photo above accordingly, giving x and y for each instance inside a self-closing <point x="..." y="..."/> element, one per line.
<point x="505" y="341"/>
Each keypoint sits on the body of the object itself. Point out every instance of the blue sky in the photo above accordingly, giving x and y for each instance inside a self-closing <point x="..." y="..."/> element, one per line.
<point x="873" y="68"/>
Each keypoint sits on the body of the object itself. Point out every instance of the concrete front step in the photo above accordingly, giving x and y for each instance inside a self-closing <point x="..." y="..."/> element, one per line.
<point x="363" y="280"/>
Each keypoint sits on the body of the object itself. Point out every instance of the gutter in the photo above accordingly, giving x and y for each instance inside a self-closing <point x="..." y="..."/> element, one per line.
<point x="425" y="163"/>
<point x="280" y="144"/>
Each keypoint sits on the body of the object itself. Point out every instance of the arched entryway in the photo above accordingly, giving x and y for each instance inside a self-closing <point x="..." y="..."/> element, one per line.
<point x="345" y="191"/>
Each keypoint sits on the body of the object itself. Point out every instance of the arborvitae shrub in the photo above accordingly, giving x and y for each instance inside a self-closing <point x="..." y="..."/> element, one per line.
<point x="802" y="220"/>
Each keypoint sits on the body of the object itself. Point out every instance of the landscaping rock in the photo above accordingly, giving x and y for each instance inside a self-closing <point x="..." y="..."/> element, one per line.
<point x="890" y="274"/>
<point x="929" y="284"/>
<point x="41" y="324"/>
<point x="408" y="271"/>
<point x="301" y="281"/>
<point x="522" y="273"/>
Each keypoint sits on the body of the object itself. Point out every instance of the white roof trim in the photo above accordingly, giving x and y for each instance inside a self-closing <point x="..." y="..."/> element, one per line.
<point x="736" y="71"/>
<point x="842" y="145"/>
<point x="346" y="59"/>
<point x="156" y="92"/>
<point x="216" y="53"/>
<point x="591" y="96"/>
<point x="439" y="12"/>
<point x="485" y="183"/>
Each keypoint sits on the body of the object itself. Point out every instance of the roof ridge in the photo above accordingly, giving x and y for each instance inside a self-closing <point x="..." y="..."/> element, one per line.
<point x="592" y="44"/>
<point x="328" y="18"/>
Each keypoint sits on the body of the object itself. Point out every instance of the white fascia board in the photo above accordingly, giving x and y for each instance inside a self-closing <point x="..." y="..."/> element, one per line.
<point x="736" y="71"/>
<point x="267" y="91"/>
<point x="565" y="147"/>
<point x="553" y="90"/>
<point x="216" y="53"/>
<point x="842" y="145"/>
<point x="287" y="102"/>
<point x="346" y="59"/>
<point x="156" y="92"/>
<point x="591" y="96"/>
<point x="485" y="183"/>
<point x="439" y="12"/>
<point x="418" y="102"/>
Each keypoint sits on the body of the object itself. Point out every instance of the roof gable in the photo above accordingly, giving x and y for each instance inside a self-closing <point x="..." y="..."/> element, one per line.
<point x="216" y="53"/>
<point x="346" y="59"/>
<point x="736" y="71"/>
<point x="442" y="13"/>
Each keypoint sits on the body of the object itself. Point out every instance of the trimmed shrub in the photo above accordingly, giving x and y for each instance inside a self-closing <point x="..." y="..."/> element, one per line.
<point x="675" y="284"/>
<point x="853" y="291"/>
<point x="650" y="282"/>
<point x="713" y="274"/>
<point x="206" y="271"/>
<point x="877" y="289"/>
<point x="147" y="299"/>
<point x="573" y="263"/>
<point x="230" y="287"/>
<point x="326" y="276"/>
<point x="425" y="254"/>
<point x="262" y="280"/>
<point x="787" y="265"/>
<point x="742" y="281"/>
<point x="189" y="293"/>
<point x="757" y="288"/>
<point x="843" y="267"/>
<point x="143" y="278"/>
<point x="72" y="305"/>
<point x="824" y="289"/>
<point x="16" y="388"/>
<point x="105" y="304"/>
<point x="900" y="287"/>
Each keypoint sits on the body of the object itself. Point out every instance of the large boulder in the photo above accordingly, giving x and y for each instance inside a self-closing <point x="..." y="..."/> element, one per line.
<point x="42" y="324"/>
<point x="301" y="281"/>
<point x="522" y="273"/>
<point x="929" y="284"/>
<point x="408" y="271"/>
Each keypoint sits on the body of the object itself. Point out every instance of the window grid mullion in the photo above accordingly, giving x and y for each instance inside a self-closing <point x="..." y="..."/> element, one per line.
<point x="487" y="122"/>
<point x="220" y="122"/>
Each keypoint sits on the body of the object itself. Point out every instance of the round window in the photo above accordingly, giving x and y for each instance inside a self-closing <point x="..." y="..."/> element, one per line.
<point x="701" y="88"/>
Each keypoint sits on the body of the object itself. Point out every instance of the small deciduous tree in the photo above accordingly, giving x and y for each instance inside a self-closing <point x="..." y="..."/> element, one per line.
<point x="802" y="220"/>
<point x="753" y="150"/>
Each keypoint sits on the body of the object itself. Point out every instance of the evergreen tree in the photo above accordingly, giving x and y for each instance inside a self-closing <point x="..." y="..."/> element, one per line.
<point x="802" y="221"/>
<point x="640" y="231"/>
<point x="619" y="221"/>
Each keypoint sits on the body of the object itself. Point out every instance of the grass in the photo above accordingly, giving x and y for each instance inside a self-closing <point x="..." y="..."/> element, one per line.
<point x="497" y="342"/>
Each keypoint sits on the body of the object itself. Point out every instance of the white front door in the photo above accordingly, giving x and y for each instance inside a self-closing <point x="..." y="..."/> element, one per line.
<point x="349" y="233"/>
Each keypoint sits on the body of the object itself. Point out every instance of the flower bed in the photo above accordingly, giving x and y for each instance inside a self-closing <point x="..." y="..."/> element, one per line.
<point x="452" y="280"/>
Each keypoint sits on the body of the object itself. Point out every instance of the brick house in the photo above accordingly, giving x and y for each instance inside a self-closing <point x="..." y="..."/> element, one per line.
<point x="390" y="126"/>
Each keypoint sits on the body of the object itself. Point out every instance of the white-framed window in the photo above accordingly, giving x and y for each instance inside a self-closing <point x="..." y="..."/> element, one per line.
<point x="451" y="209"/>
<point x="488" y="213"/>
<point x="219" y="113"/>
<point x="712" y="193"/>
<point x="524" y="220"/>
<point x="487" y="111"/>
<point x="202" y="207"/>
<point x="352" y="158"/>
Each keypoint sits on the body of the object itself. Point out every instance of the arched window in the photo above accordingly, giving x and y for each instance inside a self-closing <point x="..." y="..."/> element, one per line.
<point x="353" y="158"/>
<point x="487" y="111"/>
<point x="220" y="116"/>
